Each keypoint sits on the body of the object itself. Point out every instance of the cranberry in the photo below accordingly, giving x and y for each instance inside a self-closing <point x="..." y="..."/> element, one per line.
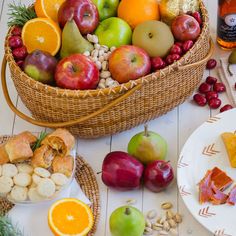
<point x="20" y="64"/>
<point x="211" y="94"/>
<point x="187" y="45"/>
<point x="175" y="49"/>
<point x="204" y="88"/>
<point x="219" y="87"/>
<point x="197" y="16"/>
<point x="226" y="108"/>
<point x="15" y="42"/>
<point x="157" y="63"/>
<point x="175" y="57"/>
<point x="200" y="99"/>
<point x="211" y="64"/>
<point x="214" y="103"/>
<point x="180" y="44"/>
<point x="16" y="31"/>
<point x="211" y="80"/>
<point x="20" y="53"/>
<point x="171" y="58"/>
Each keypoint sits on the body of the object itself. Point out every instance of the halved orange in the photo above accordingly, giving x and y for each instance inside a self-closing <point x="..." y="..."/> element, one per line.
<point x="70" y="216"/>
<point x="46" y="8"/>
<point x="43" y="34"/>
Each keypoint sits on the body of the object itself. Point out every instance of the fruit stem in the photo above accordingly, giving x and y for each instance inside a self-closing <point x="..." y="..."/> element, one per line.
<point x="146" y="130"/>
<point x="127" y="211"/>
<point x="98" y="173"/>
<point x="228" y="68"/>
<point x="164" y="164"/>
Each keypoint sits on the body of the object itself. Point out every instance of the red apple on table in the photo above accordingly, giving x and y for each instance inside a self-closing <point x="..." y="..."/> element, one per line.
<point x="185" y="27"/>
<point x="83" y="12"/>
<point x="129" y="63"/>
<point x="77" y="72"/>
<point x="158" y="175"/>
<point x="121" y="171"/>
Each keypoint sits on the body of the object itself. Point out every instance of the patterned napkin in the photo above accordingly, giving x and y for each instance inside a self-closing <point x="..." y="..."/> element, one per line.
<point x="228" y="80"/>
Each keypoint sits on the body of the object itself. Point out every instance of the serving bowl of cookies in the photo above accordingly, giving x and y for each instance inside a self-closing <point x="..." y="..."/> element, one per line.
<point x="36" y="169"/>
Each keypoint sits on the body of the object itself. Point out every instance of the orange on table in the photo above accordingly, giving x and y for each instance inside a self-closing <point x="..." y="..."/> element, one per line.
<point x="46" y="8"/>
<point x="43" y="34"/>
<point x="70" y="216"/>
<point x="135" y="12"/>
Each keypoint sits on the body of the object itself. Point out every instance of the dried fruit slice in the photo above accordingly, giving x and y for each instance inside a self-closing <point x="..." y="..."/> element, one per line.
<point x="43" y="34"/>
<point x="49" y="9"/>
<point x="70" y="216"/>
<point x="232" y="196"/>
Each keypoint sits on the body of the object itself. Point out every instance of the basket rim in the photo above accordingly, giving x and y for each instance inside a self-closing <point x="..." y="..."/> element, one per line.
<point x="50" y="90"/>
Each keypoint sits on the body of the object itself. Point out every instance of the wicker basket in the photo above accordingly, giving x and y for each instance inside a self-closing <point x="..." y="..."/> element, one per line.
<point x="95" y="113"/>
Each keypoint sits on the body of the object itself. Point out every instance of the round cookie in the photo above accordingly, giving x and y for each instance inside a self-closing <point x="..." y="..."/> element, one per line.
<point x="59" y="179"/>
<point x="9" y="170"/>
<point x="46" y="188"/>
<point x="36" y="179"/>
<point x="6" y="184"/>
<point x="34" y="195"/>
<point x="42" y="172"/>
<point x="19" y="193"/>
<point x="22" y="179"/>
<point x="25" y="168"/>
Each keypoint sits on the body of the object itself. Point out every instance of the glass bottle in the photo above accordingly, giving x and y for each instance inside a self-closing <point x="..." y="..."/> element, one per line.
<point x="226" y="27"/>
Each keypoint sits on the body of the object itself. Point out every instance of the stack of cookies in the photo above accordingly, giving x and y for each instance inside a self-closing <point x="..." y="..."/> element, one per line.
<point x="35" y="175"/>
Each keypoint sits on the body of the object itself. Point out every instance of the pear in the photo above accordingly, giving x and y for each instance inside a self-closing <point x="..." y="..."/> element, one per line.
<point x="72" y="40"/>
<point x="127" y="221"/>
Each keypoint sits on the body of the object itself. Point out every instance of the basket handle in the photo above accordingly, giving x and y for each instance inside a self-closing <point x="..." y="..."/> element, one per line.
<point x="59" y="124"/>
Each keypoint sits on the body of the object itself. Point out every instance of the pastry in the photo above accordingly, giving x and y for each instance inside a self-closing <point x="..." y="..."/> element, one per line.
<point x="63" y="165"/>
<point x="9" y="170"/>
<point x="34" y="195"/>
<point x="42" y="172"/>
<point x="36" y="179"/>
<point x="6" y="184"/>
<point x="19" y="193"/>
<point x="22" y="179"/>
<point x="28" y="137"/>
<point x="42" y="157"/>
<point x="59" y="179"/>
<point x="60" y="140"/>
<point x="25" y="168"/>
<point x="3" y="155"/>
<point x="46" y="188"/>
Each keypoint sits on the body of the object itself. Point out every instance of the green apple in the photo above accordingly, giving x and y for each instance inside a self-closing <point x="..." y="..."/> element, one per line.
<point x="127" y="221"/>
<point x="106" y="8"/>
<point x="147" y="147"/>
<point x="114" y="32"/>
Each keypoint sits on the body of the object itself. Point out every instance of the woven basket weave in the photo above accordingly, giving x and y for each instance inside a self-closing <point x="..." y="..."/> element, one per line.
<point x="95" y="113"/>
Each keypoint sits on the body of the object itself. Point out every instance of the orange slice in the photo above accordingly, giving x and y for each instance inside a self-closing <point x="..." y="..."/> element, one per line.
<point x="70" y="216"/>
<point x="49" y="9"/>
<point x="43" y="34"/>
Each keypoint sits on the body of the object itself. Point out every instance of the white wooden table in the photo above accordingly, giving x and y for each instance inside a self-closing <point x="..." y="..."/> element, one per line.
<point x="175" y="127"/>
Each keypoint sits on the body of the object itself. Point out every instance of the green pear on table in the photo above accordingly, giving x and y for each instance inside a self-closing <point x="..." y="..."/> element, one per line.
<point x="72" y="40"/>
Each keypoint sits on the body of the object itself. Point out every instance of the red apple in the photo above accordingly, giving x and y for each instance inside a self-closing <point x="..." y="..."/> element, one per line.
<point x="77" y="72"/>
<point x="84" y="13"/>
<point x="158" y="175"/>
<point x="129" y="63"/>
<point x="121" y="171"/>
<point x="185" y="27"/>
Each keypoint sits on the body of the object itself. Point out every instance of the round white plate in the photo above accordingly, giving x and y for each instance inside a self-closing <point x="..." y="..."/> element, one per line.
<point x="203" y="151"/>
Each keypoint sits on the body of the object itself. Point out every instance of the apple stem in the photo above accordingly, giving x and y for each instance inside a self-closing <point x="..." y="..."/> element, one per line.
<point x="146" y="130"/>
<point x="164" y="164"/>
<point x="229" y="70"/>
<point x="127" y="211"/>
<point x="98" y="173"/>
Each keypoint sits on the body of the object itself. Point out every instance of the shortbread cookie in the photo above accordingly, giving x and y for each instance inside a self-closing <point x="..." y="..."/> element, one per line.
<point x="59" y="179"/>
<point x="9" y="170"/>
<point x="19" y="193"/>
<point x="25" y="168"/>
<point x="34" y="195"/>
<point x="0" y="170"/>
<point x="58" y="188"/>
<point x="22" y="179"/>
<point x="36" y="179"/>
<point x="6" y="184"/>
<point x="46" y="188"/>
<point x="42" y="172"/>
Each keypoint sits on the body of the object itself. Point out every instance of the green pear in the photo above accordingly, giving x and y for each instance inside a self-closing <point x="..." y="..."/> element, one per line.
<point x="147" y="147"/>
<point x="72" y="40"/>
<point x="127" y="221"/>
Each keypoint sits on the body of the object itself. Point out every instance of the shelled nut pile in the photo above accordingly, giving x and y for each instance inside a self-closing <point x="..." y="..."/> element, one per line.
<point x="99" y="56"/>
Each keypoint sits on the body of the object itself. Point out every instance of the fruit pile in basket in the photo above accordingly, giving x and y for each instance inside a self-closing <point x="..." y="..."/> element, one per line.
<point x="92" y="44"/>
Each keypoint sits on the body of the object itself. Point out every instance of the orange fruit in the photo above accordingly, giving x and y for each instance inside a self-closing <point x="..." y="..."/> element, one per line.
<point x="135" y="12"/>
<point x="43" y="34"/>
<point x="70" y="216"/>
<point x="49" y="9"/>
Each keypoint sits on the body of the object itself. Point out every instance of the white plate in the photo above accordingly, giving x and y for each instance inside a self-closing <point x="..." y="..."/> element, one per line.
<point x="204" y="150"/>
